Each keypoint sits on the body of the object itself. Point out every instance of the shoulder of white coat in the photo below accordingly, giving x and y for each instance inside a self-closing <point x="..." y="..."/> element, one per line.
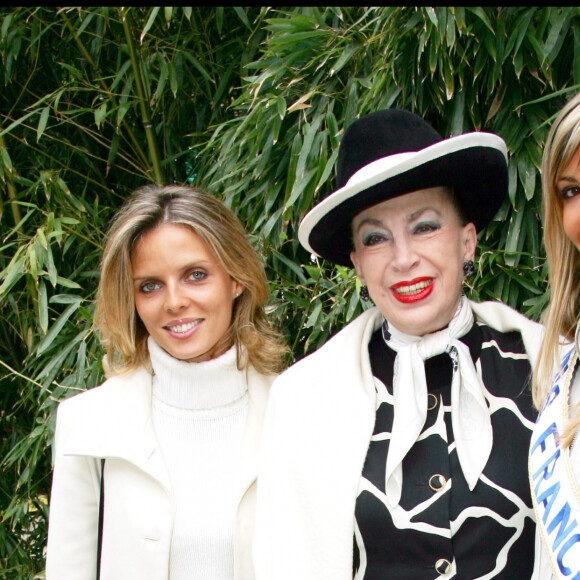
<point x="110" y="392"/>
<point x="92" y="423"/>
<point x="503" y="318"/>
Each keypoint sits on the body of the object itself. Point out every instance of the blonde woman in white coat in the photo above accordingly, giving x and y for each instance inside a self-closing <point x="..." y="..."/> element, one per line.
<point x="155" y="470"/>
<point x="554" y="450"/>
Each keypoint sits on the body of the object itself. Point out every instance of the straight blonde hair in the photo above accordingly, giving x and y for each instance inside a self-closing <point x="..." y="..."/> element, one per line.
<point x="561" y="315"/>
<point x="122" y="332"/>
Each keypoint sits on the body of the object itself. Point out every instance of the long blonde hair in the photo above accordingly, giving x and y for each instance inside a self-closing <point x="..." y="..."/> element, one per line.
<point x="122" y="332"/>
<point x="561" y="316"/>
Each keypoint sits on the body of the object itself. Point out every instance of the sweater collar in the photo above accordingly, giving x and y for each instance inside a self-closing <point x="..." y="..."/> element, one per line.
<point x="189" y="385"/>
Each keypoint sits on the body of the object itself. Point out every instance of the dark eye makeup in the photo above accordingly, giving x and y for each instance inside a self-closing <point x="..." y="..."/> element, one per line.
<point x="426" y="227"/>
<point x="374" y="238"/>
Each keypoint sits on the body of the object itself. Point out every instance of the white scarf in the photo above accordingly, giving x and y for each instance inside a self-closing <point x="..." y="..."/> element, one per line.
<point x="469" y="411"/>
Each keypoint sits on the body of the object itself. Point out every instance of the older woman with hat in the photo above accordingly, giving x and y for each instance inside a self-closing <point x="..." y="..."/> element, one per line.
<point x="398" y="449"/>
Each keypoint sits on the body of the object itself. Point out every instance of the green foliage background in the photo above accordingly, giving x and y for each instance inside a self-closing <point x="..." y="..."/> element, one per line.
<point x="249" y="103"/>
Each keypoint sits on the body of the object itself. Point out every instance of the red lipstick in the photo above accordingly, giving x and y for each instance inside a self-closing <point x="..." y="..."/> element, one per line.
<point x="410" y="297"/>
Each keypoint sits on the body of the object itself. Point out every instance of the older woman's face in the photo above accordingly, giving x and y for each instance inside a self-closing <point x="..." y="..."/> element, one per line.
<point x="409" y="251"/>
<point x="568" y="186"/>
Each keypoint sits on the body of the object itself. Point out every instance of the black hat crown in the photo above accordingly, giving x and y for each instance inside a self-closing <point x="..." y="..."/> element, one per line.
<point x="379" y="135"/>
<point x="394" y="152"/>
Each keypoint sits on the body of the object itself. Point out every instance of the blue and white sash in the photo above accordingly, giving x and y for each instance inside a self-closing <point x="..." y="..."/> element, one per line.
<point x="555" y="494"/>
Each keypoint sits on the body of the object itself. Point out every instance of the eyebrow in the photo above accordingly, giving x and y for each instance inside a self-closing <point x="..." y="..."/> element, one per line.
<point x="421" y="211"/>
<point x="410" y="218"/>
<point x="369" y="221"/>
<point x="567" y="179"/>
<point x="199" y="264"/>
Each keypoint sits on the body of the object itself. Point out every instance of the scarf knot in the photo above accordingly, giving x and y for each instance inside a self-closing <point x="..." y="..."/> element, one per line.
<point x="469" y="411"/>
<point x="433" y="344"/>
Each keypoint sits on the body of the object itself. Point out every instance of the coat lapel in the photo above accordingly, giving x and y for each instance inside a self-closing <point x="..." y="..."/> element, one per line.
<point x="115" y="421"/>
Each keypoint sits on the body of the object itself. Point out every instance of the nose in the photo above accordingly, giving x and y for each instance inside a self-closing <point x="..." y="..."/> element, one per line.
<point x="404" y="256"/>
<point x="175" y="298"/>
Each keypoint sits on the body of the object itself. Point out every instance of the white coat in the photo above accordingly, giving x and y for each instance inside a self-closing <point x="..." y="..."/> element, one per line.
<point x="114" y="421"/>
<point x="317" y="429"/>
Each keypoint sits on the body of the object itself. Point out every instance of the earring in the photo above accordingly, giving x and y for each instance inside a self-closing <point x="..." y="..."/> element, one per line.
<point x="364" y="294"/>
<point x="468" y="268"/>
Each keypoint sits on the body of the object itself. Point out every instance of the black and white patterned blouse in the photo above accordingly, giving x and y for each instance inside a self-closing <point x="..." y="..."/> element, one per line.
<point x="441" y="529"/>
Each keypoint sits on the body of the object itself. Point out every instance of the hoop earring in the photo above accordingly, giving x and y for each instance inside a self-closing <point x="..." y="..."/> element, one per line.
<point x="364" y="294"/>
<point x="468" y="268"/>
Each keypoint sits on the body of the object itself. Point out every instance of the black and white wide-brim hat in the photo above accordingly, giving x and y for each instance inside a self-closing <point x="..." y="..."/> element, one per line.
<point x="393" y="152"/>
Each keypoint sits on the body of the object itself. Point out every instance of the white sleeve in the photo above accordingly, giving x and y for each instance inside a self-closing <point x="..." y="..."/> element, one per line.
<point x="74" y="504"/>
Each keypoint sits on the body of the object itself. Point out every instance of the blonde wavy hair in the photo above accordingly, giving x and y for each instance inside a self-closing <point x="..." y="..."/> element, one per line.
<point x="561" y="315"/>
<point x="122" y="332"/>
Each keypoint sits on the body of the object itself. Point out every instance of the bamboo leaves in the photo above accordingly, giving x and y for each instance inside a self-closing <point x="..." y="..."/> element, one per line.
<point x="250" y="103"/>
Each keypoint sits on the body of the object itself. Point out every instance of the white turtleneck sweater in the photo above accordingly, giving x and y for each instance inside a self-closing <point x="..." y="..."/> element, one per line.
<point x="199" y="415"/>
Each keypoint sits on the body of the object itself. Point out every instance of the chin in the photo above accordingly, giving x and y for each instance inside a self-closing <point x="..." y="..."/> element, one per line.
<point x="421" y="328"/>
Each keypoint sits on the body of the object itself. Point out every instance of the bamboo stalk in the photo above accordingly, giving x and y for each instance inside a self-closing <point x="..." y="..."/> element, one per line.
<point x="104" y="88"/>
<point x="11" y="188"/>
<point x="143" y="102"/>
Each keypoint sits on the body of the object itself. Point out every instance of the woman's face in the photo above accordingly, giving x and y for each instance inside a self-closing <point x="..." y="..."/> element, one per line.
<point x="568" y="188"/>
<point x="183" y="295"/>
<point x="409" y="251"/>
